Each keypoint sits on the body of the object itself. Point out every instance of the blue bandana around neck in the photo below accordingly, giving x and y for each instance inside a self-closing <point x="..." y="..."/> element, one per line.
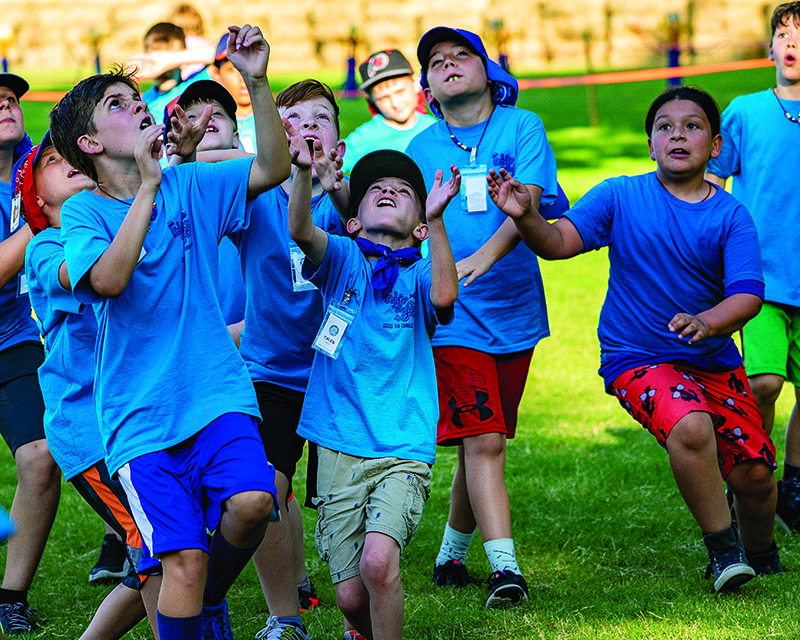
<point x="388" y="267"/>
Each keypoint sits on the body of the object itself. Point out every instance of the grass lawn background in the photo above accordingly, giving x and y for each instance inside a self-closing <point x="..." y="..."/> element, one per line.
<point x="607" y="546"/>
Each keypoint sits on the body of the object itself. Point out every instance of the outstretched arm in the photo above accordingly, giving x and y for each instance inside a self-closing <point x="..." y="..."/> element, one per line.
<point x="723" y="319"/>
<point x="312" y="240"/>
<point x="444" y="277"/>
<point x="328" y="165"/>
<point x="248" y="51"/>
<point x="113" y="270"/>
<point x="551" y="241"/>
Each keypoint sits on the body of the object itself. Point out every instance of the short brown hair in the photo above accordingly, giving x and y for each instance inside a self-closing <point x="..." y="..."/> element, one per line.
<point x="308" y="90"/>
<point x="783" y="13"/>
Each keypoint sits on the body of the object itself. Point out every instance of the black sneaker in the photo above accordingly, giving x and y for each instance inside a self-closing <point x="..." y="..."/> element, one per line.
<point x="452" y="573"/>
<point x="506" y="589"/>
<point x="112" y="565"/>
<point x="307" y="594"/>
<point x="15" y="619"/>
<point x="765" y="563"/>
<point x="726" y="560"/>
<point x="787" y="513"/>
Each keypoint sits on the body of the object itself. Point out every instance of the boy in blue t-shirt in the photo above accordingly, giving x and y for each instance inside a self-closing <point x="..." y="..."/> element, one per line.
<point x="766" y="186"/>
<point x="382" y="305"/>
<point x="684" y="275"/>
<point x="176" y="404"/>
<point x="38" y="479"/>
<point x="482" y="358"/>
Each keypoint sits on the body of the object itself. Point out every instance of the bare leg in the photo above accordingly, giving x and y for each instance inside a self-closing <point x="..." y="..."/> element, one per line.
<point x="693" y="457"/>
<point x="766" y="388"/>
<point x="296" y="524"/>
<point x="793" y="433"/>
<point x="184" y="580"/>
<point x="460" y="517"/>
<point x="149" y="594"/>
<point x="33" y="511"/>
<point x="485" y="460"/>
<point x="380" y="572"/>
<point x="753" y="484"/>
<point x="352" y="598"/>
<point x="120" y="612"/>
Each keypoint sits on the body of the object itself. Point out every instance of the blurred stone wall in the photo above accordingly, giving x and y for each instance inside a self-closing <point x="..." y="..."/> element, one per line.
<point x="306" y="36"/>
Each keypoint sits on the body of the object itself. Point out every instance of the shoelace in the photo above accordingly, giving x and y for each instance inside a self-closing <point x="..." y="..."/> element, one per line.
<point x="18" y="616"/>
<point x="730" y="557"/>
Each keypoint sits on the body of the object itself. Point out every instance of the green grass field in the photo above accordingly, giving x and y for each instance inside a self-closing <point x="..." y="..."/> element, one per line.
<point x="607" y="546"/>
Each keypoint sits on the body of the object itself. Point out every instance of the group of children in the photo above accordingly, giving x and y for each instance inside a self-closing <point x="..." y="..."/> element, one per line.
<point x="352" y="340"/>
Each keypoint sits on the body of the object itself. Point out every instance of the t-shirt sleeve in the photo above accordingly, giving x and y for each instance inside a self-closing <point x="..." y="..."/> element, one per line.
<point x="741" y="255"/>
<point x="593" y="216"/>
<point x="42" y="262"/>
<point x="330" y="276"/>
<point x="85" y="239"/>
<point x="728" y="162"/>
<point x="557" y="208"/>
<point x="536" y="163"/>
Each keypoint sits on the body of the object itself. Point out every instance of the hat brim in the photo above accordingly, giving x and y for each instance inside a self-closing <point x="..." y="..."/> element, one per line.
<point x="385" y="163"/>
<point x="17" y="84"/>
<point x="395" y="73"/>
<point x="434" y="37"/>
<point x="209" y="90"/>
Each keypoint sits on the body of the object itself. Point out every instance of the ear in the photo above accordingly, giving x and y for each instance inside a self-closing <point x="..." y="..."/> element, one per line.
<point x="771" y="55"/>
<point x="40" y="202"/>
<point x="428" y="95"/>
<point x="353" y="226"/>
<point x="341" y="147"/>
<point x="650" y="147"/>
<point x="236" y="143"/>
<point x="89" y="145"/>
<point x="213" y="72"/>
<point x="421" y="232"/>
<point x="716" y="147"/>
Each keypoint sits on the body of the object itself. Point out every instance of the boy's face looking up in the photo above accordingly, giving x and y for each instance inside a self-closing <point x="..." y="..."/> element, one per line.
<point x="12" y="124"/>
<point x="396" y="98"/>
<point x="230" y="78"/>
<point x="390" y="207"/>
<point x="55" y="181"/>
<point x="455" y="73"/>
<point x="784" y="49"/>
<point x="119" y="118"/>
<point x="221" y="131"/>
<point x="314" y="119"/>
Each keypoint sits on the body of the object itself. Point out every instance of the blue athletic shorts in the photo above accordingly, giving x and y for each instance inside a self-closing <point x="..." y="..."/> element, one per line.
<point x="176" y="495"/>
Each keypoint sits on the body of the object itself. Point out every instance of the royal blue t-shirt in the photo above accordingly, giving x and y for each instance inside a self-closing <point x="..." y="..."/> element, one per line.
<point x="504" y="310"/>
<point x="69" y="331"/>
<point x="666" y="256"/>
<point x="166" y="364"/>
<point x="16" y="324"/>
<point x="378" y="398"/>
<point x="280" y="323"/>
<point x="760" y="151"/>
<point x="231" y="284"/>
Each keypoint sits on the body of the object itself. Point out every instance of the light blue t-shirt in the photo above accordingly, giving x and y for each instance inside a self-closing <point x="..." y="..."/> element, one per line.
<point x="280" y="323"/>
<point x="246" y="128"/>
<point x="760" y="151"/>
<point x="504" y="310"/>
<point x="69" y="331"/>
<point x="231" y="284"/>
<point x="166" y="364"/>
<point x="666" y="256"/>
<point x="16" y="324"/>
<point x="376" y="134"/>
<point x="378" y="398"/>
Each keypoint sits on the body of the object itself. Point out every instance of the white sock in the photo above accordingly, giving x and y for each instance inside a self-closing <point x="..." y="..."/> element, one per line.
<point x="501" y="555"/>
<point x="454" y="545"/>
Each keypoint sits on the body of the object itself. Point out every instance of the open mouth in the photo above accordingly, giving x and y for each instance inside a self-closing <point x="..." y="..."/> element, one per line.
<point x="679" y="153"/>
<point x="452" y="78"/>
<point x="790" y="59"/>
<point x="386" y="202"/>
<point x="73" y="173"/>
<point x="211" y="129"/>
<point x="145" y="123"/>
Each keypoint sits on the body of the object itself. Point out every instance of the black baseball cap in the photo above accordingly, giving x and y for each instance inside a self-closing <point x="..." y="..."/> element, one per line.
<point x="383" y="65"/>
<point x="385" y="163"/>
<point x="17" y="84"/>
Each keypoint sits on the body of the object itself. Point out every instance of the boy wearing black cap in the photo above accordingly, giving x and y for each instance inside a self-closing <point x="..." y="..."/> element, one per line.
<point x="21" y="415"/>
<point x="482" y="358"/>
<point x="382" y="304"/>
<point x="394" y="98"/>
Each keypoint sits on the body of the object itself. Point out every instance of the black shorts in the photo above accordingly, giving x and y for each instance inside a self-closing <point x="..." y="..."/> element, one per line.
<point x="280" y="414"/>
<point x="21" y="404"/>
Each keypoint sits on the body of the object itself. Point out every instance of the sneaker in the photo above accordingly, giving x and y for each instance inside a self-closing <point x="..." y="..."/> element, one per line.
<point x="113" y="564"/>
<point x="15" y="619"/>
<point x="307" y="594"/>
<point x="506" y="589"/>
<point x="352" y="634"/>
<point x="765" y="563"/>
<point x="216" y="623"/>
<point x="787" y="513"/>
<point x="726" y="560"/>
<point x="452" y="573"/>
<point x="277" y="630"/>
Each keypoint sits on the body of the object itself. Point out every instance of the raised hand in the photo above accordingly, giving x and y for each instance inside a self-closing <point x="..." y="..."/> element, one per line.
<point x="147" y="153"/>
<point x="441" y="194"/>
<point x="328" y="166"/>
<point x="248" y="51"/>
<point x="299" y="153"/>
<point x="511" y="196"/>
<point x="185" y="134"/>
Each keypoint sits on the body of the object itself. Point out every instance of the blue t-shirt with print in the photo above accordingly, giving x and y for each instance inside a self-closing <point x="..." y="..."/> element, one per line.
<point x="280" y="323"/>
<point x="760" y="152"/>
<point x="504" y="310"/>
<point x="666" y="256"/>
<point x="69" y="331"/>
<point x="166" y="364"/>
<point x="16" y="324"/>
<point x="378" y="398"/>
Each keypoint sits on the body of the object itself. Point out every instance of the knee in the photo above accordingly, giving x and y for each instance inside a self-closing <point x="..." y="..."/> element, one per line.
<point x="35" y="464"/>
<point x="487" y="445"/>
<point x="753" y="480"/>
<point x="379" y="570"/>
<point x="352" y="599"/>
<point x="251" y="509"/>
<point x="186" y="568"/>
<point x="766" y="388"/>
<point x="693" y="433"/>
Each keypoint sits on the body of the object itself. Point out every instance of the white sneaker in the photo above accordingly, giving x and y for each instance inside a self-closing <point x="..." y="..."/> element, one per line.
<point x="277" y="630"/>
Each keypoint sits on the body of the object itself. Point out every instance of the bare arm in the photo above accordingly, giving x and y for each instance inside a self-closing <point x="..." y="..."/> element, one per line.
<point x="12" y="254"/>
<point x="328" y="165"/>
<point x="63" y="276"/>
<point x="551" y="241"/>
<point x="444" y="276"/>
<point x="312" y="240"/>
<point x="248" y="51"/>
<point x="715" y="179"/>
<point x="153" y="64"/>
<point x="113" y="270"/>
<point x="235" y="330"/>
<point x="723" y="319"/>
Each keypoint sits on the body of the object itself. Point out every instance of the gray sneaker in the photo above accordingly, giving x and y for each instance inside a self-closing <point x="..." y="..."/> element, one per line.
<point x="726" y="560"/>
<point x="15" y="619"/>
<point x="277" y="630"/>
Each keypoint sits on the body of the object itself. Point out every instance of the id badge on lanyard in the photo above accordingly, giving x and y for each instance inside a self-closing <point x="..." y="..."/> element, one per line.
<point x="297" y="257"/>
<point x="473" y="188"/>
<point x="335" y="325"/>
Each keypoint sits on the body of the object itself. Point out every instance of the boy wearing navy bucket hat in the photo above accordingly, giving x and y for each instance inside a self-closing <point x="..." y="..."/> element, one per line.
<point x="482" y="357"/>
